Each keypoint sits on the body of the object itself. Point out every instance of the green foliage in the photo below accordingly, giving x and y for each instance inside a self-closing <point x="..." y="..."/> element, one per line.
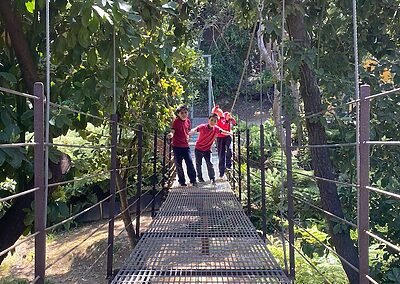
<point x="329" y="266"/>
<point x="9" y="280"/>
<point x="156" y="68"/>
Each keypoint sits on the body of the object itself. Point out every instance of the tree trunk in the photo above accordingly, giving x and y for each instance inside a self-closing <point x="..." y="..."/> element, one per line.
<point x="19" y="44"/>
<point x="321" y="163"/>
<point x="126" y="217"/>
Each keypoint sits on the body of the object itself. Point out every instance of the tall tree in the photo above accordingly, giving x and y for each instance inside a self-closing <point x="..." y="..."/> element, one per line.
<point x="321" y="162"/>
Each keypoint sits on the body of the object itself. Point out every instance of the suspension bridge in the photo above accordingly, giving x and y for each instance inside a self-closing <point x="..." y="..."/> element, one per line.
<point x="200" y="234"/>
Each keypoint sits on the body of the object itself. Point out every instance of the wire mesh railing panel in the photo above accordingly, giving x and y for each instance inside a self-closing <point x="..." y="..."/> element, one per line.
<point x="201" y="235"/>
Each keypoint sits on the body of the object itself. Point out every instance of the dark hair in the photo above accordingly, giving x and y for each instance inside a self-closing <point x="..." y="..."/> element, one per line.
<point x="213" y="115"/>
<point x="180" y="108"/>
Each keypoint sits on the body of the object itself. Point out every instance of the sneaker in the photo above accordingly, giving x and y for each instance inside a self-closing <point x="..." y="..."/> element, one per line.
<point x="200" y="180"/>
<point x="183" y="184"/>
<point x="213" y="180"/>
<point x="194" y="184"/>
<point x="220" y="178"/>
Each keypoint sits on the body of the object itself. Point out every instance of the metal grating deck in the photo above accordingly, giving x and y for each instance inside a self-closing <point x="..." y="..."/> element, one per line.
<point x="201" y="235"/>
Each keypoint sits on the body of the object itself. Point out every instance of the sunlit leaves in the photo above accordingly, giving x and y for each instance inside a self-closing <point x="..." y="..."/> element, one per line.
<point x="30" y="6"/>
<point x="124" y="6"/>
<point x="103" y="14"/>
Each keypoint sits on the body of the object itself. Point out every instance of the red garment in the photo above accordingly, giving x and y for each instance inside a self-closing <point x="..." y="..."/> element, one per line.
<point x="225" y="125"/>
<point x="181" y="135"/>
<point x="217" y="111"/>
<point x="207" y="137"/>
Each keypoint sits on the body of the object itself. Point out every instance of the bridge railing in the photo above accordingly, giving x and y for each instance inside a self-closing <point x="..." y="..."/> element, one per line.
<point x="38" y="182"/>
<point x="147" y="173"/>
<point x="244" y="176"/>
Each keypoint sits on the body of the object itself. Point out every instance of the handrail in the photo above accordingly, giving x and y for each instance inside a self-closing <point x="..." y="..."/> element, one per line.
<point x="327" y="247"/>
<point x="371" y="97"/>
<point x="16" y="145"/>
<point x="324" y="146"/>
<point x="80" y="112"/>
<point x="18" y="243"/>
<point x="388" y="193"/>
<point x="386" y="93"/>
<point x="19" y="194"/>
<point x="78" y="214"/>
<point x="79" y="146"/>
<point x="303" y="256"/>
<point x="393" y="246"/>
<point x="325" y="211"/>
<point x="21" y="94"/>
<point x="78" y="179"/>
<point x="394" y="143"/>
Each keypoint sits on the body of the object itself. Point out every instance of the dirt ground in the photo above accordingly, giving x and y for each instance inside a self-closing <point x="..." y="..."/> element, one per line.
<point x="75" y="256"/>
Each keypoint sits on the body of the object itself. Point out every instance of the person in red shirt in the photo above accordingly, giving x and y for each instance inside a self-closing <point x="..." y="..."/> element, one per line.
<point x="207" y="134"/>
<point x="180" y="145"/>
<point x="224" y="143"/>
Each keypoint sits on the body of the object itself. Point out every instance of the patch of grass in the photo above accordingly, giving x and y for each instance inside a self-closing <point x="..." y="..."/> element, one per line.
<point x="51" y="237"/>
<point x="9" y="280"/>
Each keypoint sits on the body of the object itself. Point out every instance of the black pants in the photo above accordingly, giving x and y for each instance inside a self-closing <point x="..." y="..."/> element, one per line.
<point x="181" y="154"/>
<point x="199" y="158"/>
<point x="224" y="154"/>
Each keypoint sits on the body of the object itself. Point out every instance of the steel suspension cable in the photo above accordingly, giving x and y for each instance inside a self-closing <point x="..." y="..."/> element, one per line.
<point x="282" y="192"/>
<point x="260" y="21"/>
<point x="305" y="258"/>
<point x="48" y="99"/>
<point x="246" y="62"/>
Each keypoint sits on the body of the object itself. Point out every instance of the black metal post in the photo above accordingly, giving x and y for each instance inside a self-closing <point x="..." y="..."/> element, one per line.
<point x="239" y="168"/>
<point x="40" y="194"/>
<point x="113" y="185"/>
<point x="248" y="171"/>
<point x="139" y="180"/>
<point x="363" y="165"/>
<point x="164" y="159"/>
<point x="169" y="161"/>
<point x="233" y="161"/>
<point x="263" y="194"/>
<point x="289" y="178"/>
<point x="154" y="174"/>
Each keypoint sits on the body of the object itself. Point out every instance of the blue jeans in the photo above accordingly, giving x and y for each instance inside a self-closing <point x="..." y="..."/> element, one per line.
<point x="224" y="154"/>
<point x="199" y="158"/>
<point x="181" y="154"/>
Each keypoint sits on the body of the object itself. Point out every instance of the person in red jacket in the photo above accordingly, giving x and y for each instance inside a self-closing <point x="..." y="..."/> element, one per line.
<point x="207" y="134"/>
<point x="224" y="143"/>
<point x="180" y="145"/>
